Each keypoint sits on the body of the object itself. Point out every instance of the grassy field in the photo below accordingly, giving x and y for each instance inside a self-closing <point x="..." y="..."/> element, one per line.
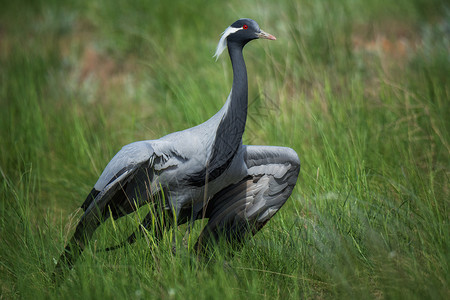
<point x="359" y="88"/>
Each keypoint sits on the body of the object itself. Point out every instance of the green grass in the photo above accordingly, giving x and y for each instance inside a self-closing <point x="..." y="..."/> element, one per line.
<point x="360" y="89"/>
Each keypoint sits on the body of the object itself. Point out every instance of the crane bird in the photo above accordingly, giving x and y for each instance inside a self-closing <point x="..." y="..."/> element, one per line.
<point x="201" y="172"/>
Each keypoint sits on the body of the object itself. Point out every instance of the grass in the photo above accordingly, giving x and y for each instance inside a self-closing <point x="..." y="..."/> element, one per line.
<point x="360" y="89"/>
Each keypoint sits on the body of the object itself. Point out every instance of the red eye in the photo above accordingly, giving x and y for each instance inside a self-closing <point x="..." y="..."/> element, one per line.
<point x="245" y="26"/>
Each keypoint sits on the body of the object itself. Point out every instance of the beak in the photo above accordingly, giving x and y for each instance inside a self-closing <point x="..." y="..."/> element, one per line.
<point x="265" y="35"/>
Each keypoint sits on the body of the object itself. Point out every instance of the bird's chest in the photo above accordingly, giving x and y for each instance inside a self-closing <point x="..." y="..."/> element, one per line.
<point x="188" y="200"/>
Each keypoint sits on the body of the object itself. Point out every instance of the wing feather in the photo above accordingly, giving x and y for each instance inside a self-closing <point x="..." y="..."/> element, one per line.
<point x="248" y="204"/>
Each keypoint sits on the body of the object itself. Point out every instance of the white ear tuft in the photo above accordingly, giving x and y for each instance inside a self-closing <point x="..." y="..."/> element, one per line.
<point x="223" y="41"/>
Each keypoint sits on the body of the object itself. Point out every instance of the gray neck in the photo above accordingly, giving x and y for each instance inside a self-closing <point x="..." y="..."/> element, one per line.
<point x="229" y="132"/>
<point x="232" y="125"/>
<point x="236" y="115"/>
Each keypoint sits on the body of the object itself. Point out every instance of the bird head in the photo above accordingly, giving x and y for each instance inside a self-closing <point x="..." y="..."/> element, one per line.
<point x="241" y="32"/>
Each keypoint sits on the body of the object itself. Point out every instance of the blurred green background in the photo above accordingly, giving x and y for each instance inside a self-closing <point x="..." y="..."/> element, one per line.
<point x="360" y="89"/>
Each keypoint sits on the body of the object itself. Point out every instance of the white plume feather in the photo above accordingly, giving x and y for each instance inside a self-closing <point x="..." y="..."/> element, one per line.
<point x="223" y="41"/>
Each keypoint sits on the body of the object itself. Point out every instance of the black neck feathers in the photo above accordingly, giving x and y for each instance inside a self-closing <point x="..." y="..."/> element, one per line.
<point x="229" y="133"/>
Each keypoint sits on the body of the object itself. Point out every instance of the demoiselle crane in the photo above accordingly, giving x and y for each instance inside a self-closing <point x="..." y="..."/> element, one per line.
<point x="200" y="172"/>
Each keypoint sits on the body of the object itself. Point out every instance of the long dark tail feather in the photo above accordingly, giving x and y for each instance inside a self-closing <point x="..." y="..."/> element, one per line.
<point x="143" y="228"/>
<point x="67" y="259"/>
<point x="130" y="240"/>
<point x="83" y="233"/>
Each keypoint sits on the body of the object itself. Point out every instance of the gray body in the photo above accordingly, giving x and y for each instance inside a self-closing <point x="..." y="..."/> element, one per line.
<point x="204" y="171"/>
